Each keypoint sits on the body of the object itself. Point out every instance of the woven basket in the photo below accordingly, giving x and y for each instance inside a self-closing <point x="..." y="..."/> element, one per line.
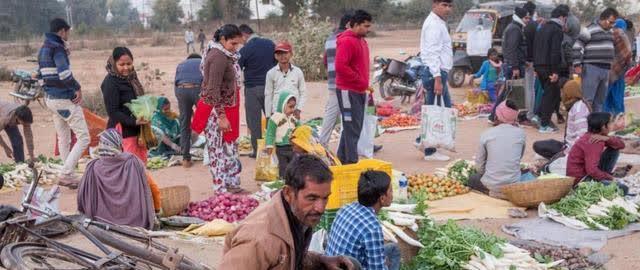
<point x="532" y="193"/>
<point x="174" y="199"/>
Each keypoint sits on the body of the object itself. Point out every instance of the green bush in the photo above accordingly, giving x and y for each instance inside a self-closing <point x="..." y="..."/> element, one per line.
<point x="307" y="36"/>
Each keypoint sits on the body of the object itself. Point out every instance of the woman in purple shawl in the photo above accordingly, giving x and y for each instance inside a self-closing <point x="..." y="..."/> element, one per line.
<point x="114" y="187"/>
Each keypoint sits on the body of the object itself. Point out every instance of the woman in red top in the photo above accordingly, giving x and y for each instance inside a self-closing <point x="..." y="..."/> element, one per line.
<point x="221" y="91"/>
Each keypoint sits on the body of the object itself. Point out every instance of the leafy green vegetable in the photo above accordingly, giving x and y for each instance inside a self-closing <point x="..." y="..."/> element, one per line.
<point x="461" y="170"/>
<point x="44" y="159"/>
<point x="617" y="219"/>
<point x="583" y="196"/>
<point x="383" y="215"/>
<point x="5" y="168"/>
<point x="420" y="197"/>
<point x="278" y="184"/>
<point x="143" y="106"/>
<point x="449" y="246"/>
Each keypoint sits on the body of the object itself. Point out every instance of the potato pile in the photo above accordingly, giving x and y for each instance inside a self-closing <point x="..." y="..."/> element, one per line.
<point x="435" y="187"/>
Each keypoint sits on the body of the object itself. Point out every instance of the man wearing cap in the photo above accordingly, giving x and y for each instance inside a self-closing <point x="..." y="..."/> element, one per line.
<point x="284" y="77"/>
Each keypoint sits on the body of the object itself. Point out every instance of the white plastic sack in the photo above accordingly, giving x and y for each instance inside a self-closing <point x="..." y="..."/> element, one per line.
<point x="368" y="133"/>
<point x="45" y="199"/>
<point x="478" y="41"/>
<point x="438" y="126"/>
<point x="317" y="241"/>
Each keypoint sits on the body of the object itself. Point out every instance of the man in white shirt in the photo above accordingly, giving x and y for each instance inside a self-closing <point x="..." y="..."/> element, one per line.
<point x="189" y="39"/>
<point x="284" y="77"/>
<point x="437" y="55"/>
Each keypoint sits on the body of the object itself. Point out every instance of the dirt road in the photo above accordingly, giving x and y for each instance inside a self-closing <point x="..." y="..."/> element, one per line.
<point x="88" y="67"/>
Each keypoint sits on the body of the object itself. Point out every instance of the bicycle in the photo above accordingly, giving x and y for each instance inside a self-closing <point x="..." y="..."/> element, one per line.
<point x="24" y="247"/>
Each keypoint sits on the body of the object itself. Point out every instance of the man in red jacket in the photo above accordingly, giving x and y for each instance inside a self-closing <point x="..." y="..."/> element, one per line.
<point x="352" y="81"/>
<point x="594" y="155"/>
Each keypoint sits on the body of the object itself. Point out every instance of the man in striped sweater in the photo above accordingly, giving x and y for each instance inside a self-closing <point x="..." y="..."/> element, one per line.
<point x="593" y="54"/>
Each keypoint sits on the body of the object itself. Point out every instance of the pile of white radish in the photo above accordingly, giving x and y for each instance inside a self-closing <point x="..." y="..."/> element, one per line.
<point x="401" y="216"/>
<point x="22" y="175"/>
<point x="633" y="182"/>
<point x="513" y="258"/>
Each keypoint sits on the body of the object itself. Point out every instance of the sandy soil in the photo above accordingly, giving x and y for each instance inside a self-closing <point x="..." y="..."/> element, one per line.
<point x="88" y="67"/>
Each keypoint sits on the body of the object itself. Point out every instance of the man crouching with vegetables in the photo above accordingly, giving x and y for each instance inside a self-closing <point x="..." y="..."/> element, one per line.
<point x="278" y="233"/>
<point x="593" y="157"/>
<point x="356" y="230"/>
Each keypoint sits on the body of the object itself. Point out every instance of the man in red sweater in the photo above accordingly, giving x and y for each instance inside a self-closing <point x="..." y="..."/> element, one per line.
<point x="352" y="81"/>
<point x="594" y="156"/>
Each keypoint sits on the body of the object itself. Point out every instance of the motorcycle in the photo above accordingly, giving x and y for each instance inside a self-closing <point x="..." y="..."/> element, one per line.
<point x="28" y="87"/>
<point x="397" y="78"/>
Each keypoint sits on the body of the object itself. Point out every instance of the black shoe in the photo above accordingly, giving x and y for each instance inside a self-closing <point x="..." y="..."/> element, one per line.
<point x="377" y="148"/>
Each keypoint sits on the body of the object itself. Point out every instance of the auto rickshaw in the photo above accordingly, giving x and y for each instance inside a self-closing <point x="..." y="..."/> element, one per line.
<point x="494" y="16"/>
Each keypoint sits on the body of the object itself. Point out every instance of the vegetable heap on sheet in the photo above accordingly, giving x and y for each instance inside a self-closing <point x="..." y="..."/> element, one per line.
<point x="230" y="207"/>
<point x="449" y="246"/>
<point x="18" y="175"/>
<point x="460" y="170"/>
<point x="598" y="206"/>
<point x="435" y="187"/>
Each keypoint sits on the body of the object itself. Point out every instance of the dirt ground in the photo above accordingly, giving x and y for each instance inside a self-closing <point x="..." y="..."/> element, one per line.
<point x="88" y="68"/>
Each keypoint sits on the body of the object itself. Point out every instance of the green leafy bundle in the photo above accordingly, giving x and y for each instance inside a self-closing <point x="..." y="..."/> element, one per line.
<point x="587" y="194"/>
<point x="449" y="246"/>
<point x="143" y="107"/>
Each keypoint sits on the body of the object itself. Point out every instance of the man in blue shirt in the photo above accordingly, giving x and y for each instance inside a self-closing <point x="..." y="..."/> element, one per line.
<point x="356" y="231"/>
<point x="63" y="99"/>
<point x="256" y="59"/>
<point x="187" y="90"/>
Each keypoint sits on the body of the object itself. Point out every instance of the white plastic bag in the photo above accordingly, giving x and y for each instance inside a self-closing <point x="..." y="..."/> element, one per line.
<point x="478" y="41"/>
<point x="317" y="241"/>
<point x="368" y="133"/>
<point x="438" y="126"/>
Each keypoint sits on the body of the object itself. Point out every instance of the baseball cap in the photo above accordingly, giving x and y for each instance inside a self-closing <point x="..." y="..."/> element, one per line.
<point x="283" y="46"/>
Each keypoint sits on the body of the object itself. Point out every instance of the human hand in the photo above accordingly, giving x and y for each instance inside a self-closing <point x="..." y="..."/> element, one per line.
<point x="515" y="74"/>
<point x="141" y="122"/>
<point x="596" y="138"/>
<point x="337" y="263"/>
<point x="78" y="98"/>
<point x="554" y="77"/>
<point x="437" y="86"/>
<point x="224" y="124"/>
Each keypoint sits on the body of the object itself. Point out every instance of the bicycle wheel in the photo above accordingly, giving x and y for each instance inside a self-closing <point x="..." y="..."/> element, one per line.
<point x="133" y="244"/>
<point x="36" y="256"/>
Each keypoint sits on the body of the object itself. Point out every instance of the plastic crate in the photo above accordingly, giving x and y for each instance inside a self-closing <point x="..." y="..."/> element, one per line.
<point x="344" y="188"/>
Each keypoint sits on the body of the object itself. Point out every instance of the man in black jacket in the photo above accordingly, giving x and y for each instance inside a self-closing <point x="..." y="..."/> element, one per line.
<point x="514" y="46"/>
<point x="547" y="59"/>
<point x="529" y="33"/>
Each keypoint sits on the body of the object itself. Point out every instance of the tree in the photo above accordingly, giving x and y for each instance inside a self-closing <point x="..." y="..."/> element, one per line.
<point x="166" y="13"/>
<point x="91" y="13"/>
<point x="291" y="7"/>
<point x="23" y="18"/>
<point x="124" y="16"/>
<point x="225" y="9"/>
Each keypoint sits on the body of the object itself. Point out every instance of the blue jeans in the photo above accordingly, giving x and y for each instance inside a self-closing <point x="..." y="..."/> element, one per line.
<point x="13" y="132"/>
<point x="491" y="90"/>
<point x="428" y="82"/>
<point x="392" y="255"/>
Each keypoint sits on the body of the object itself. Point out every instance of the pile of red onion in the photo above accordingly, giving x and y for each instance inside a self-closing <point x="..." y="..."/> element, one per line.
<point x="230" y="207"/>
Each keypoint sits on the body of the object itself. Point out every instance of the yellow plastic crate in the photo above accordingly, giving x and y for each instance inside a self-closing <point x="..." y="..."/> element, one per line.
<point x="344" y="187"/>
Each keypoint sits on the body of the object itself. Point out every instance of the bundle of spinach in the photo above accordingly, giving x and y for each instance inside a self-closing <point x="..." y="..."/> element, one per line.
<point x="461" y="170"/>
<point x="585" y="195"/>
<point x="449" y="246"/>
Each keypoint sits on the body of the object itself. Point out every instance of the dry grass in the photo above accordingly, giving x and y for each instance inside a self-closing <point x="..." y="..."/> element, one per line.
<point x="162" y="39"/>
<point x="93" y="101"/>
<point x="5" y="74"/>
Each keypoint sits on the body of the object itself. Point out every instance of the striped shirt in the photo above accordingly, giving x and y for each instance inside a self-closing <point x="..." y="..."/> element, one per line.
<point x="576" y="124"/>
<point x="330" y="54"/>
<point x="594" y="46"/>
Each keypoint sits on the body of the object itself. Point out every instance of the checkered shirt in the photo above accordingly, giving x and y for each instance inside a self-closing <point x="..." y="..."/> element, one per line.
<point x="356" y="232"/>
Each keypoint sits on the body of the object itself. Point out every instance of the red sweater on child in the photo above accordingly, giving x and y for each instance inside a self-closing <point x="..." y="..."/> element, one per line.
<point x="584" y="157"/>
<point x="352" y="62"/>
